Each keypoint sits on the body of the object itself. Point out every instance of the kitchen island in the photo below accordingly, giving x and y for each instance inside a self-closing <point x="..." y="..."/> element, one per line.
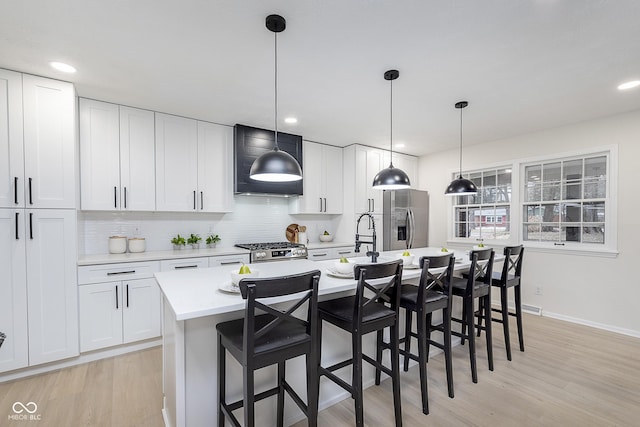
<point x="193" y="304"/>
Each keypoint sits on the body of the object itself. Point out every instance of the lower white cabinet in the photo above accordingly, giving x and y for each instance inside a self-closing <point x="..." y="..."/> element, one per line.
<point x="231" y="260"/>
<point x="184" y="263"/>
<point x="331" y="253"/>
<point x="116" y="313"/>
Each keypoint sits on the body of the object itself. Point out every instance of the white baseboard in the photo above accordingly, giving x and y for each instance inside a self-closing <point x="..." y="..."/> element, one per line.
<point x="623" y="331"/>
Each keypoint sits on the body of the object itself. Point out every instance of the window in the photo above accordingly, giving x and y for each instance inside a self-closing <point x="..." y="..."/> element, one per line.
<point x="564" y="200"/>
<point x="486" y="215"/>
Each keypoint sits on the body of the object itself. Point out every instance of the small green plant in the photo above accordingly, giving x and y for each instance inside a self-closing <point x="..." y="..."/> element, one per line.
<point x="212" y="239"/>
<point x="194" y="239"/>
<point x="178" y="240"/>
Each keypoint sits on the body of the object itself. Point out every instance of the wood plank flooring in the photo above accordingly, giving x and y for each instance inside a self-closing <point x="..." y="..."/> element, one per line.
<point x="569" y="375"/>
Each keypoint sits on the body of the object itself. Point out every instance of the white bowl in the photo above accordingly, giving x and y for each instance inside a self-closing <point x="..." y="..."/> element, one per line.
<point x="326" y="237"/>
<point x="407" y="260"/>
<point x="343" y="267"/>
<point x="236" y="277"/>
<point x="137" y="244"/>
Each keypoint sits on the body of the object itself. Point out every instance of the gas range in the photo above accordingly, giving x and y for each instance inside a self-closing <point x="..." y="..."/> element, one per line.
<point x="274" y="251"/>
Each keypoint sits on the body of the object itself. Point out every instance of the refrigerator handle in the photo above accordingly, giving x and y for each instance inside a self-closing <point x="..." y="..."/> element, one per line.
<point x="412" y="227"/>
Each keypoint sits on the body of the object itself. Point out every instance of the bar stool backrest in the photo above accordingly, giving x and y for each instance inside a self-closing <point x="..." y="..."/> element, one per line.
<point x="437" y="281"/>
<point x="481" y="268"/>
<point x="377" y="284"/>
<point x="512" y="267"/>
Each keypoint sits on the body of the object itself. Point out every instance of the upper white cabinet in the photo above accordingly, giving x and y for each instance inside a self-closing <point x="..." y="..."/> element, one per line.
<point x="409" y="164"/>
<point x="193" y="165"/>
<point x="37" y="142"/>
<point x="322" y="181"/>
<point x="49" y="143"/>
<point x="368" y="162"/>
<point x="117" y="162"/>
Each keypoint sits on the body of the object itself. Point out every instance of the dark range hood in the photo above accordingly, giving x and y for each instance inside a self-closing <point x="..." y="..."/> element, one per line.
<point x="249" y="143"/>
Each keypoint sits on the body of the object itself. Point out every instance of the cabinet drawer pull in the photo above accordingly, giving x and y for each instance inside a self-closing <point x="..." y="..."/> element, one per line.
<point x="344" y="252"/>
<point x="558" y="244"/>
<point x="325" y="204"/>
<point x="201" y="200"/>
<point x="320" y="203"/>
<point x="125" y="197"/>
<point x="30" y="193"/>
<point x="17" y="235"/>
<point x="115" y="197"/>
<point x="117" y="304"/>
<point x="127" y="295"/>
<point x="15" y="189"/>
<point x="113" y="273"/>
<point x="31" y="226"/>
<point x="194" y="200"/>
<point x="319" y="255"/>
<point x="177" y="267"/>
<point x="230" y="262"/>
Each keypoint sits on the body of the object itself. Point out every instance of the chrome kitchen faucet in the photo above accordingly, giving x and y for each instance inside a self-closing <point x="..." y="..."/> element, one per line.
<point x="373" y="254"/>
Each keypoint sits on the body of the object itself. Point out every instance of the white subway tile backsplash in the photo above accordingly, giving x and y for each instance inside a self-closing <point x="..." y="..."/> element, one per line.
<point x="255" y="219"/>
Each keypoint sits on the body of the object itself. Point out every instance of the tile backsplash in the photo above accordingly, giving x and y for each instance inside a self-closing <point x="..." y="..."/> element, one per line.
<point x="255" y="219"/>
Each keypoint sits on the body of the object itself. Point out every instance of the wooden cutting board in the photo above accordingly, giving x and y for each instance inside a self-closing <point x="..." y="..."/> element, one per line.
<point x="292" y="233"/>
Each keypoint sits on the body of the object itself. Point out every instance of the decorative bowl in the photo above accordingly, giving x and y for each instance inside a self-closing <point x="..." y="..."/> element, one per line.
<point x="137" y="244"/>
<point x="480" y="248"/>
<point x="236" y="277"/>
<point x="326" y="237"/>
<point x="406" y="260"/>
<point x="343" y="267"/>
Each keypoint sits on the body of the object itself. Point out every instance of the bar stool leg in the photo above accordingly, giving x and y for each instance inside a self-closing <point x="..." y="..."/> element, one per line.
<point x="249" y="414"/>
<point x="463" y="327"/>
<point x="379" y="348"/>
<point x="446" y="321"/>
<point x="518" y="302"/>
<point x="423" y="355"/>
<point x="395" y="366"/>
<point x="221" y="380"/>
<point x="505" y="319"/>
<point x="407" y="335"/>
<point x="312" y="389"/>
<point x="356" y="383"/>
<point x="469" y="323"/>
<point x="281" y="377"/>
<point x="487" y="328"/>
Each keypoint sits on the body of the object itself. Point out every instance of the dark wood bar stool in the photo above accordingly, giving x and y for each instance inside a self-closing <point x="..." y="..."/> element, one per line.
<point x="509" y="277"/>
<point x="475" y="285"/>
<point x="373" y="308"/>
<point x="432" y="294"/>
<point x="272" y="338"/>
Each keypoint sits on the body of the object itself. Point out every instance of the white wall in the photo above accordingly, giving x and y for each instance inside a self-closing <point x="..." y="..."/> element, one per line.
<point x="603" y="292"/>
<point x="255" y="219"/>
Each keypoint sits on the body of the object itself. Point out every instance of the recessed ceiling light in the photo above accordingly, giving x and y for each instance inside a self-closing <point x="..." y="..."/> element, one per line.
<point x="400" y="145"/>
<point x="291" y="120"/>
<point x="61" y="66"/>
<point x="629" y="85"/>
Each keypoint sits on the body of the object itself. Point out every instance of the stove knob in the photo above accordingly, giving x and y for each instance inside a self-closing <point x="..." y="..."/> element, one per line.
<point x="260" y="254"/>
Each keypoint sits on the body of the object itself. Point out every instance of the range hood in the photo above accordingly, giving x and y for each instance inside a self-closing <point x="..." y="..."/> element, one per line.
<point x="249" y="143"/>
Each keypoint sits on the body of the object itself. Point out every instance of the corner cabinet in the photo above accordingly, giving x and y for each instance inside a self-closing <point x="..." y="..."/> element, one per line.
<point x="194" y="163"/>
<point x="322" y="185"/>
<point x="117" y="157"/>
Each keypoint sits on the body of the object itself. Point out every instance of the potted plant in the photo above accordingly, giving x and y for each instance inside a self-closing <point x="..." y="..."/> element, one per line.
<point x="178" y="242"/>
<point x="194" y="241"/>
<point x="212" y="239"/>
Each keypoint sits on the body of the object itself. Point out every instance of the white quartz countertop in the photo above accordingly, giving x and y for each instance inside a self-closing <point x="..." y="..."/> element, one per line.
<point x="196" y="292"/>
<point x="158" y="255"/>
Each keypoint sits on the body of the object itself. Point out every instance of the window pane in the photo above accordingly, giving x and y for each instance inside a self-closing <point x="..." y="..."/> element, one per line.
<point x="549" y="232"/>
<point x="595" y="167"/>
<point x="502" y="223"/>
<point x="533" y="174"/>
<point x="593" y="212"/>
<point x="533" y="192"/>
<point x="573" y="191"/>
<point x="489" y="179"/>
<point x="593" y="233"/>
<point x="531" y="232"/>
<point x="532" y="213"/>
<point x="570" y="233"/>
<point x="551" y="172"/>
<point x="595" y="188"/>
<point x="503" y="189"/>
<point x="550" y="212"/>
<point x="551" y="191"/>
<point x="572" y="171"/>
<point x="571" y="212"/>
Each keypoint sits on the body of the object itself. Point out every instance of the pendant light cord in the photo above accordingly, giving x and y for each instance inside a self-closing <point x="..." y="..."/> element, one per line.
<point x="275" y="38"/>
<point x="460" y="170"/>
<point x="391" y="127"/>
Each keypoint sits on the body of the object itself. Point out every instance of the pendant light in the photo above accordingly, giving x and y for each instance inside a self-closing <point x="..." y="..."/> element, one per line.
<point x="276" y="165"/>
<point x="461" y="186"/>
<point x="391" y="178"/>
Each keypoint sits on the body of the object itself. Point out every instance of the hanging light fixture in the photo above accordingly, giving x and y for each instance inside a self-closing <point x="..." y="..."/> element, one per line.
<point x="276" y="165"/>
<point x="391" y="178"/>
<point x="461" y="186"/>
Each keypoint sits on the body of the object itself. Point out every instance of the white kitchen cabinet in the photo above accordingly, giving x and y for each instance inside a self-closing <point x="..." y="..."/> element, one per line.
<point x="11" y="140"/>
<point x="49" y="143"/>
<point x="368" y="162"/>
<point x="14" y="353"/>
<point x="331" y="253"/>
<point x="117" y="161"/>
<point x="52" y="295"/>
<point x="322" y="181"/>
<point x="193" y="165"/>
<point x="230" y="260"/>
<point x="119" y="304"/>
<point x="37" y="142"/>
<point x="409" y="164"/>
<point x="184" y="263"/>
<point x="116" y="313"/>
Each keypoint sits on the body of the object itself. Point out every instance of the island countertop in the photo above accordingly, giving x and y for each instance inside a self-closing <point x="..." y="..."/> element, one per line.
<point x="196" y="292"/>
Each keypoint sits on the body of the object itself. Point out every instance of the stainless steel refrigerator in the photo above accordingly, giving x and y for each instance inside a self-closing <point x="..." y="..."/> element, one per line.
<point x="405" y="219"/>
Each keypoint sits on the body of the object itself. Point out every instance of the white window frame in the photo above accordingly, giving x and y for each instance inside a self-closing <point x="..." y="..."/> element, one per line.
<point x="610" y="247"/>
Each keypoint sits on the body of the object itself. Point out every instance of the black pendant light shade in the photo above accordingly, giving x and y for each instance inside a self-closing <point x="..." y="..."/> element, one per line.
<point x="391" y="178"/>
<point x="461" y="186"/>
<point x="276" y="165"/>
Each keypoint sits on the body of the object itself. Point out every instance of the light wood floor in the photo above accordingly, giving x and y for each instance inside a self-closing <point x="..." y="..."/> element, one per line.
<point x="569" y="375"/>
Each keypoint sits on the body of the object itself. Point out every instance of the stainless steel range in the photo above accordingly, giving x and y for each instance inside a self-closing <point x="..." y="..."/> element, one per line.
<point x="274" y="251"/>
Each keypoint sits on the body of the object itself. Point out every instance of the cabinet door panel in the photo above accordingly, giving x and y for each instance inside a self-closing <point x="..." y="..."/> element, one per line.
<point x="215" y="168"/>
<point x="176" y="163"/>
<point x="141" y="312"/>
<point x="11" y="154"/>
<point x="51" y="284"/>
<point x="333" y="184"/>
<point x="100" y="315"/>
<point x="137" y="159"/>
<point x="49" y="143"/>
<point x="14" y="352"/>
<point x="99" y="156"/>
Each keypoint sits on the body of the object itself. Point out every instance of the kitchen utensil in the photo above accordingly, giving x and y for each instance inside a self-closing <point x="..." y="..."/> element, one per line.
<point x="292" y="232"/>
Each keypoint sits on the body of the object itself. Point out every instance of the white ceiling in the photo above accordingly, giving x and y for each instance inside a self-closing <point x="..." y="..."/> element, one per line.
<point x="522" y="65"/>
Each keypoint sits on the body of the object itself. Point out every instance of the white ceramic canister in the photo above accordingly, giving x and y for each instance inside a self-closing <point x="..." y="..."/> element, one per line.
<point x="117" y="244"/>
<point x="137" y="244"/>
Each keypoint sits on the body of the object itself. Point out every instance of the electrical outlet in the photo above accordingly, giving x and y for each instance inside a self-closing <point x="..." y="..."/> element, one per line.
<point x="538" y="290"/>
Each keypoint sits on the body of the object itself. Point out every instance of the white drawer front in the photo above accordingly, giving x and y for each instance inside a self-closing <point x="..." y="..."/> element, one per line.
<point x="347" y="252"/>
<point x="216" y="261"/>
<point x="184" y="263"/>
<point x="115" y="272"/>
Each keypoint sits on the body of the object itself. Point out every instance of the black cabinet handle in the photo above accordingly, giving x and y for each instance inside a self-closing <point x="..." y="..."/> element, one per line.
<point x="127" y="295"/>
<point x="325" y="204"/>
<point x="125" y="197"/>
<point x="230" y="262"/>
<point x="31" y="226"/>
<point x="17" y="235"/>
<point x="115" y="197"/>
<point x="113" y="273"/>
<point x="15" y="189"/>
<point x="30" y="194"/>
<point x="558" y="244"/>
<point x="194" y="200"/>
<point x="117" y="304"/>
<point x="373" y="203"/>
<point x="201" y="200"/>
<point x="320" y="203"/>
<point x="178" y="267"/>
